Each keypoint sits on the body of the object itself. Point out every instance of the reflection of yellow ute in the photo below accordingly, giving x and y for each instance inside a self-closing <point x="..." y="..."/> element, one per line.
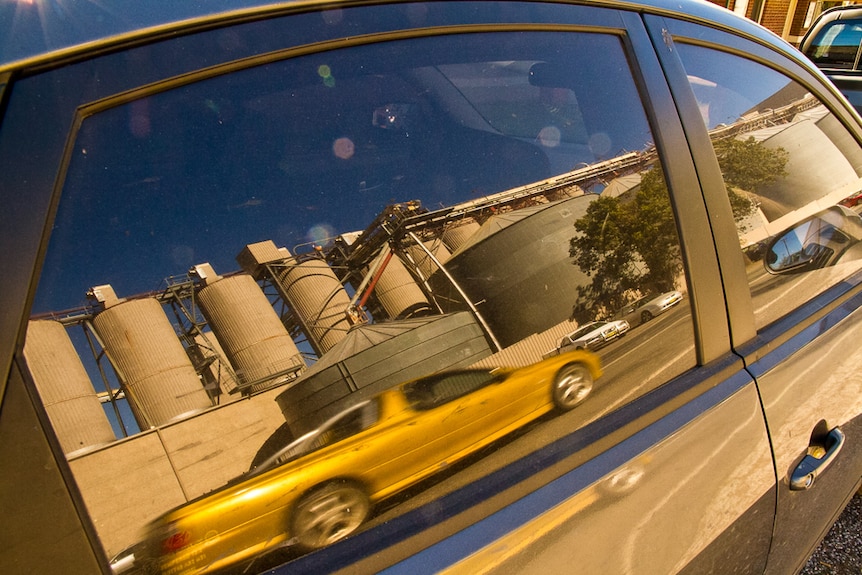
<point x="320" y="488"/>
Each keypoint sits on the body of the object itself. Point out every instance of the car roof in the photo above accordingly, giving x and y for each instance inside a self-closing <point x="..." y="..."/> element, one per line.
<point x="841" y="12"/>
<point x="33" y="29"/>
<point x="588" y="327"/>
<point x="850" y="11"/>
<point x="38" y="32"/>
<point x="662" y="294"/>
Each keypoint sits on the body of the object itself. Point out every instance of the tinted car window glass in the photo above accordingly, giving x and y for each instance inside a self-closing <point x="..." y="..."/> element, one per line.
<point x="792" y="173"/>
<point x="342" y="426"/>
<point x="837" y="45"/>
<point x="435" y="390"/>
<point x="263" y="248"/>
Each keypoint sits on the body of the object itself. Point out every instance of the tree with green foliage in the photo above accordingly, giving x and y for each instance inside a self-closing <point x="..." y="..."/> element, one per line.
<point x="629" y="243"/>
<point x="748" y="165"/>
<point x="624" y="244"/>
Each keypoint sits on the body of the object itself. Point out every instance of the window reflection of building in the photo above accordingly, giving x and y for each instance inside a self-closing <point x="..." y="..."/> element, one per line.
<point x="822" y="167"/>
<point x="516" y="175"/>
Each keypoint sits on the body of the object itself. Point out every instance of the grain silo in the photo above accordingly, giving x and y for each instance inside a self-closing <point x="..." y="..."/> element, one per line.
<point x="517" y="271"/>
<point x="157" y="375"/>
<point x="248" y="329"/>
<point x="458" y="232"/>
<point x="317" y="298"/>
<point x="399" y="294"/>
<point x="422" y="258"/>
<point x="313" y="291"/>
<point x="65" y="388"/>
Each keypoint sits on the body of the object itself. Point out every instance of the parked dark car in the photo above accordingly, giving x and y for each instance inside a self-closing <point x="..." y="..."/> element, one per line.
<point x="833" y="43"/>
<point x="224" y="223"/>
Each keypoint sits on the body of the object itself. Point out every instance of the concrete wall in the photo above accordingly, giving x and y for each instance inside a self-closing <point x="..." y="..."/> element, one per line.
<point x="129" y="483"/>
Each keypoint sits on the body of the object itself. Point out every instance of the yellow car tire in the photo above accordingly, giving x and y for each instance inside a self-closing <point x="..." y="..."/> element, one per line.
<point x="328" y="513"/>
<point x="572" y="384"/>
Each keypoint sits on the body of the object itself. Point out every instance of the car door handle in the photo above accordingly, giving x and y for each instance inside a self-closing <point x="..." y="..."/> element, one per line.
<point x="811" y="466"/>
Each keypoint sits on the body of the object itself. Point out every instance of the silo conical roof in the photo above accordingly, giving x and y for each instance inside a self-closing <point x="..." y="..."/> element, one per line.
<point x="499" y="222"/>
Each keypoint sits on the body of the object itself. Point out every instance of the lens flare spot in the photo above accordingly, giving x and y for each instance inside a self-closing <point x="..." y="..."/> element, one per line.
<point x="417" y="13"/>
<point x="343" y="148"/>
<point x="139" y="119"/>
<point x="325" y="72"/>
<point x="600" y="144"/>
<point x="550" y="136"/>
<point x="320" y="234"/>
<point x="183" y="256"/>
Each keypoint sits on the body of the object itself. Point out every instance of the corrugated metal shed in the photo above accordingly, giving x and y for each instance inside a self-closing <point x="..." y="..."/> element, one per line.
<point x="375" y="357"/>
<point x="530" y="349"/>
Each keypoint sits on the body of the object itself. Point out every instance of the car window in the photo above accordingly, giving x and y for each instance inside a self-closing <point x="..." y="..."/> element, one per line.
<point x="430" y="392"/>
<point x="585" y="330"/>
<point x="348" y="424"/>
<point x="241" y="254"/>
<point x="344" y="425"/>
<point x="792" y="173"/>
<point x="837" y="45"/>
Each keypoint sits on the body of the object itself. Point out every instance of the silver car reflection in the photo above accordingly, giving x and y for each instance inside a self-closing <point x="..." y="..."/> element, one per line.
<point x="646" y="308"/>
<point x="593" y="335"/>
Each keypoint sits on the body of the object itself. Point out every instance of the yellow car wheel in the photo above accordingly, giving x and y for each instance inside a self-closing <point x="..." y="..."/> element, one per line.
<point x="328" y="513"/>
<point x="572" y="384"/>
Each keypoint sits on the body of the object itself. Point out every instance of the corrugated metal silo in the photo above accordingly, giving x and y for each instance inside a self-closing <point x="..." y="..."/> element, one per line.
<point x="316" y="295"/>
<point x="399" y="294"/>
<point x="424" y="263"/>
<point x="248" y="329"/>
<point x="65" y="388"/>
<point x="458" y="232"/>
<point x="154" y="369"/>
<point x="517" y="271"/>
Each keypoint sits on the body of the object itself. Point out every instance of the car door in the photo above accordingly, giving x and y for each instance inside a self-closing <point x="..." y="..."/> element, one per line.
<point x="456" y="411"/>
<point x="218" y="156"/>
<point x="801" y="268"/>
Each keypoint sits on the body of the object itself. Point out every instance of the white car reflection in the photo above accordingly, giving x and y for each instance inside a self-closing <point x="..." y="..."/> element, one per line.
<point x="648" y="307"/>
<point x="593" y="335"/>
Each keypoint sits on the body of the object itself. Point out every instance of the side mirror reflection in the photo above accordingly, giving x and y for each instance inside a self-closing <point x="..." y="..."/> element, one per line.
<point x="819" y="241"/>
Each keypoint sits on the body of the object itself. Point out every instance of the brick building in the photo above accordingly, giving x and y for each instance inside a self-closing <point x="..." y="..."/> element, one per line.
<point x="787" y="18"/>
